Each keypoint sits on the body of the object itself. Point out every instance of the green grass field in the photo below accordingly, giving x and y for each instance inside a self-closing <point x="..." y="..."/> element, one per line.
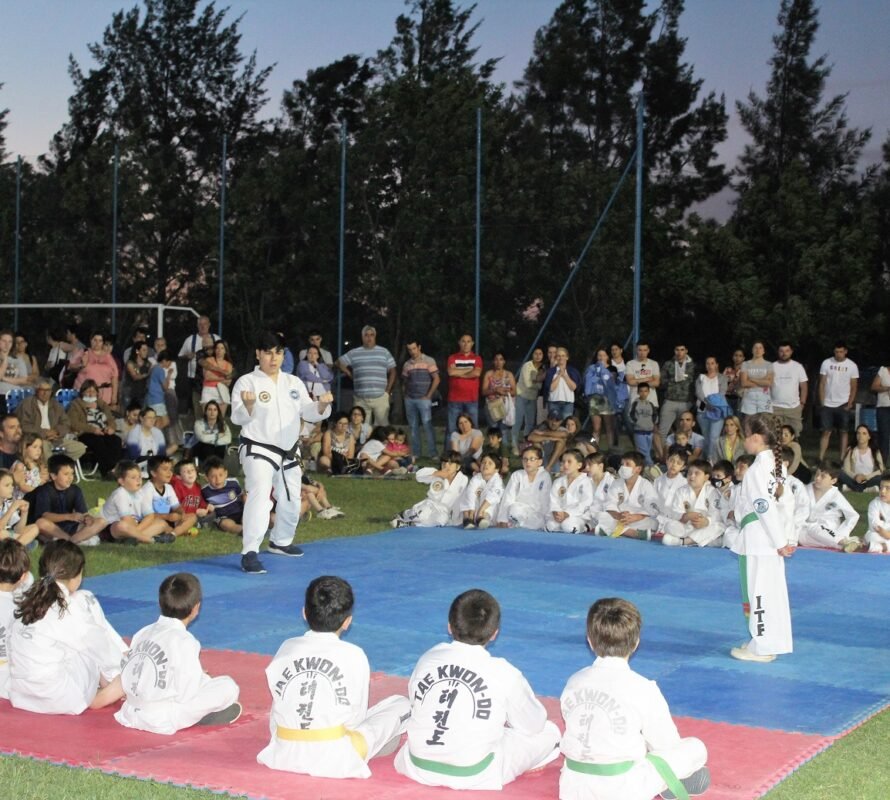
<point x="854" y="769"/>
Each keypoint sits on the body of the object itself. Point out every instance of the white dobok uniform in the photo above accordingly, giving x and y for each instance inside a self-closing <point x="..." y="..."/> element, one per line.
<point x="801" y="508"/>
<point x="831" y="519"/>
<point x="55" y="663"/>
<point x="613" y="715"/>
<point x="666" y="488"/>
<point x="461" y="699"/>
<point x="8" y="602"/>
<point x="269" y="455"/>
<point x="479" y="491"/>
<point x="526" y="503"/>
<point x="441" y="506"/>
<point x="642" y="499"/>
<point x="878" y="516"/>
<point x="165" y="686"/>
<point x="705" y="503"/>
<point x="600" y="498"/>
<point x="732" y="532"/>
<point x="763" y="531"/>
<point x="573" y="499"/>
<point x="320" y="721"/>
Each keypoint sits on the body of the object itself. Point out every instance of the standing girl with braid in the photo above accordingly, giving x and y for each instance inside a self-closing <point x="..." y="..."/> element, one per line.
<point x="64" y="656"/>
<point x="763" y="545"/>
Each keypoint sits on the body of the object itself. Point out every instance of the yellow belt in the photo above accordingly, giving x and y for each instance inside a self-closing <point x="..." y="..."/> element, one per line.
<point x="325" y="735"/>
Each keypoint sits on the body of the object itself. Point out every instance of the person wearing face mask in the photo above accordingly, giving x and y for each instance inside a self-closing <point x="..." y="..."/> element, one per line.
<point x="92" y="420"/>
<point x="632" y="505"/>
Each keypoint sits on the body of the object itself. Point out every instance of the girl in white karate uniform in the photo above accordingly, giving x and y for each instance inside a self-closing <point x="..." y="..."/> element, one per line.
<point x="441" y="506"/>
<point x="526" y="501"/>
<point x="763" y="546"/>
<point x="601" y="480"/>
<point x="570" y="496"/>
<point x="479" y="504"/>
<point x="64" y="656"/>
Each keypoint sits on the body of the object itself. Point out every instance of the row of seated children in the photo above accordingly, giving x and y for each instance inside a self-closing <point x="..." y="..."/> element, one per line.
<point x="472" y="719"/>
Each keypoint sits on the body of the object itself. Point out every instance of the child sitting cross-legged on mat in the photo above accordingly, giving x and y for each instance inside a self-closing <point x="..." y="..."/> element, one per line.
<point x="165" y="688"/>
<point x="320" y="720"/>
<point x="15" y="579"/>
<point x="632" y="507"/>
<point x="441" y="506"/>
<point x="832" y="518"/>
<point x="620" y="741"/>
<point x="877" y="538"/>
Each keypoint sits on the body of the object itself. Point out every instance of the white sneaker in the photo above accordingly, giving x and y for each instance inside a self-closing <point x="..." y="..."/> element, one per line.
<point x="337" y="512"/>
<point x="398" y="522"/>
<point x="484" y="523"/>
<point x="326" y="513"/>
<point x="744" y="654"/>
<point x="93" y="541"/>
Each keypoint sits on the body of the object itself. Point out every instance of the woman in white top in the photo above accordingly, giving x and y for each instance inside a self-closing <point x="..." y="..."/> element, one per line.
<point x="756" y="380"/>
<point x="863" y="464"/>
<point x="881" y="387"/>
<point x="710" y="420"/>
<point x="528" y="387"/>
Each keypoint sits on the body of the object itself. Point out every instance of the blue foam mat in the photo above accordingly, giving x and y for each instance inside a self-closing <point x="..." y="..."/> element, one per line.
<point x="405" y="580"/>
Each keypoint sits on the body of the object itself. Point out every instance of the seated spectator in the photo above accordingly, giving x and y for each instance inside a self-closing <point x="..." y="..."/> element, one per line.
<point x="212" y="433"/>
<point x="311" y="434"/>
<point x="467" y="441"/>
<point x="832" y="519"/>
<point x="733" y="530"/>
<point x="497" y="447"/>
<point x="128" y="421"/>
<point x="550" y="436"/>
<point x="20" y="351"/>
<point x="360" y="429"/>
<point x="669" y="483"/>
<point x="14" y="513"/>
<point x="218" y="373"/>
<point x="10" y="440"/>
<point x="373" y="458"/>
<point x="159" y="496"/>
<point x="863" y="464"/>
<point x="44" y="416"/>
<point x="397" y="445"/>
<point x="730" y="443"/>
<point x="801" y="497"/>
<point x="13" y="371"/>
<point x="526" y="501"/>
<point x="696" y="519"/>
<point x="479" y="504"/>
<point x="797" y="468"/>
<point x="632" y="506"/>
<point x="185" y="484"/>
<point x="136" y="371"/>
<point x="59" y="509"/>
<point x="99" y="366"/>
<point x="92" y="420"/>
<point x="30" y="470"/>
<point x="877" y="538"/>
<point x="441" y="506"/>
<point x="145" y="440"/>
<point x="314" y="498"/>
<point x="224" y="495"/>
<point x="128" y="514"/>
<point x="337" y="456"/>
<point x="317" y="375"/>
<point x="571" y="495"/>
<point x="579" y="440"/>
<point x="686" y="424"/>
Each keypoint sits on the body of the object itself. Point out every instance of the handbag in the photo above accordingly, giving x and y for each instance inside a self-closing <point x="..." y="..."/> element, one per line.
<point x="496" y="409"/>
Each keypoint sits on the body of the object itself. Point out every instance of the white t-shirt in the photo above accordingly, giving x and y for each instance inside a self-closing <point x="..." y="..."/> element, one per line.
<point x="787" y="378"/>
<point x="838" y="375"/>
<point x="156" y="502"/>
<point x="883" y="397"/>
<point x="122" y="503"/>
<point x="643" y="371"/>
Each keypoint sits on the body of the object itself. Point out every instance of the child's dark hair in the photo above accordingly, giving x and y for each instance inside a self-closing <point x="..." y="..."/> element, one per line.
<point x="830" y="467"/>
<point x="885" y="478"/>
<point x="642" y="385"/>
<point x="123" y="467"/>
<point x="787" y="427"/>
<point x="379" y="433"/>
<point x="14" y="561"/>
<point x="179" y="594"/>
<point x="328" y="604"/>
<point x="213" y="462"/>
<point x="701" y="463"/>
<point x="186" y="462"/>
<point x="164" y="355"/>
<point x="451" y="457"/>
<point x="745" y="458"/>
<point x="613" y="627"/>
<point x="639" y="460"/>
<point x="134" y="405"/>
<point x="492" y="456"/>
<point x="270" y="340"/>
<point x="768" y="427"/>
<point x="157" y="461"/>
<point x="787" y="454"/>
<point x="595" y="458"/>
<point x="533" y="448"/>
<point x="494" y="430"/>
<point x="58" y="461"/>
<point x="679" y="451"/>
<point x="61" y="560"/>
<point x="725" y="467"/>
<point x="474" y="617"/>
<point x="575" y="453"/>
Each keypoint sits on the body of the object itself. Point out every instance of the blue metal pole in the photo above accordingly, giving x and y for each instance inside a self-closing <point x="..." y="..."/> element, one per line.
<point x="342" y="250"/>
<point x="638" y="223"/>
<point x="18" y="239"/>
<point x="478" y="221"/>
<point x="222" y="236"/>
<point x="114" y="240"/>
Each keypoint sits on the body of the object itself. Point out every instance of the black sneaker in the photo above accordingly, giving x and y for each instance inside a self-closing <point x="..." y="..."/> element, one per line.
<point x="225" y="717"/>
<point x="285" y="550"/>
<point x="250" y="562"/>
<point x="697" y="783"/>
<point x="164" y="538"/>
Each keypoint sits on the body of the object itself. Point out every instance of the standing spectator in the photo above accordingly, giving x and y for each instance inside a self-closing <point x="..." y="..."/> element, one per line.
<point x="789" y="389"/>
<point x="139" y="335"/>
<point x="643" y="369"/>
<point x="733" y="375"/>
<point x="44" y="416"/>
<point x="314" y="340"/>
<point x="20" y="350"/>
<point x="622" y="392"/>
<point x="528" y="387"/>
<point x="13" y="371"/>
<point x="317" y="375"/>
<point x="99" y="366"/>
<point x="560" y="384"/>
<point x="373" y="372"/>
<point x="464" y="371"/>
<point x="193" y="348"/>
<point x="93" y="422"/>
<point x="757" y="381"/>
<point x="838" y="383"/>
<point x="678" y="382"/>
<point x="499" y="387"/>
<point x="57" y="357"/>
<point x="136" y="372"/>
<point x="73" y="348"/>
<point x="601" y="396"/>
<point x="881" y="387"/>
<point x="218" y="372"/>
<point x="420" y="379"/>
<point x="710" y="389"/>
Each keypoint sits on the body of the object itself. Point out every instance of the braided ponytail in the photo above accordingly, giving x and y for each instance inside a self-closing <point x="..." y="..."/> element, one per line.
<point x="769" y="428"/>
<point x="61" y="560"/>
<point x="777" y="455"/>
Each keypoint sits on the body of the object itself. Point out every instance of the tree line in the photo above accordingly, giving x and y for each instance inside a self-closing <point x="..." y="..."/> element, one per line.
<point x="803" y="256"/>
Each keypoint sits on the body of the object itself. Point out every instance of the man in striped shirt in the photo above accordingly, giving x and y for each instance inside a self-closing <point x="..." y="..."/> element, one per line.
<point x="420" y="378"/>
<point x="373" y="372"/>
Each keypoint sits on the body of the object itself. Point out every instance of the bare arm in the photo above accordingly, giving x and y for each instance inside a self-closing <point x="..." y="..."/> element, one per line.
<point x="435" y="385"/>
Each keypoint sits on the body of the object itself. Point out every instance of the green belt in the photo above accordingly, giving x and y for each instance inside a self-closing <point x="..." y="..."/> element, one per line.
<point x="450" y="769"/>
<point x="747" y="519"/>
<point x="620" y="767"/>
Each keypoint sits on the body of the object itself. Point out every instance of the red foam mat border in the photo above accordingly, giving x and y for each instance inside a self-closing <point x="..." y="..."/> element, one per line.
<point x="745" y="762"/>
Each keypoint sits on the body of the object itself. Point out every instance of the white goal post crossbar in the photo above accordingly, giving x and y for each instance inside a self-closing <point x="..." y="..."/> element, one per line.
<point x="158" y="308"/>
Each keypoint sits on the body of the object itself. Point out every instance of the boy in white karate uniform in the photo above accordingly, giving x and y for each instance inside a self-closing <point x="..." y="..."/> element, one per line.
<point x="620" y="741"/>
<point x="601" y="480"/>
<point x="700" y="523"/>
<point x="832" y="518"/>
<point x="15" y="578"/>
<point x="526" y="501"/>
<point x="801" y="508"/>
<point x="165" y="688"/>
<point x="877" y="538"/>
<point x="441" y="506"/>
<point x="320" y="721"/>
<point x="571" y="495"/>
<point x="668" y="484"/>
<point x="463" y="699"/>
<point x="632" y="507"/>
<point x="480" y="500"/>
<point x="733" y="531"/>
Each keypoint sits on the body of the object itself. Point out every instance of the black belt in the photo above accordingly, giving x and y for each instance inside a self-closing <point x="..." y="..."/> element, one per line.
<point x="292" y="456"/>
